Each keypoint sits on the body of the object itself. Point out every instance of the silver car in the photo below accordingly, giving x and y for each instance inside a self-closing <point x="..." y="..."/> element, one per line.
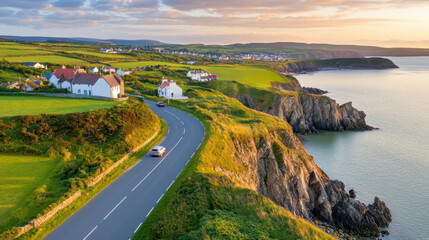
<point x="157" y="151"/>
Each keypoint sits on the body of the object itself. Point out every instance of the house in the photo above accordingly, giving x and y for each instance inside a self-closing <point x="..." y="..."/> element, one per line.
<point x="30" y="86"/>
<point x="111" y="86"/>
<point x="212" y="77"/>
<point x="198" y="75"/>
<point x="108" y="69"/>
<point x="61" y="73"/>
<point x="170" y="90"/>
<point x="93" y="70"/>
<point x="47" y="75"/>
<point x="34" y="65"/>
<point x="123" y="72"/>
<point x="14" y="85"/>
<point x="191" y="62"/>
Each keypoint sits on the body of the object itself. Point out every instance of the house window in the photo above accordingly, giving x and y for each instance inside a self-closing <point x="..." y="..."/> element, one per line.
<point x="89" y="92"/>
<point x="78" y="91"/>
<point x="85" y="92"/>
<point x="172" y="95"/>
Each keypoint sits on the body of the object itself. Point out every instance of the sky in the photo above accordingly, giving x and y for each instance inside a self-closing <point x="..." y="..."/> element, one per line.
<point x="387" y="23"/>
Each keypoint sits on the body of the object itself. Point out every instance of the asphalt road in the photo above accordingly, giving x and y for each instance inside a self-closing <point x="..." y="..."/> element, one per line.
<point x="118" y="211"/>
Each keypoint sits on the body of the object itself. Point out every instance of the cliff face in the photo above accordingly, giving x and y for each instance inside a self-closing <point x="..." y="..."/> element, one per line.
<point x="279" y="168"/>
<point x="309" y="113"/>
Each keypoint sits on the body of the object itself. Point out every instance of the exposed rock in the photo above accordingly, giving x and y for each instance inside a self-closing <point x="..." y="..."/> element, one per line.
<point x="310" y="113"/>
<point x="385" y="232"/>
<point x="278" y="167"/>
<point x="352" y="193"/>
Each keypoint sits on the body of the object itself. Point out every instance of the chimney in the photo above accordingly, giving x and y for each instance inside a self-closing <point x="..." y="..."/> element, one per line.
<point x="164" y="80"/>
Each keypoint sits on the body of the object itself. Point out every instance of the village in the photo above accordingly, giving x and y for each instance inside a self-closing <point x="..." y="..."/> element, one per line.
<point x="104" y="82"/>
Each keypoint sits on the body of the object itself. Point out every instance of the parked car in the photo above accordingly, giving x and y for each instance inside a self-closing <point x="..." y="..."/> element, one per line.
<point x="160" y="104"/>
<point x="157" y="151"/>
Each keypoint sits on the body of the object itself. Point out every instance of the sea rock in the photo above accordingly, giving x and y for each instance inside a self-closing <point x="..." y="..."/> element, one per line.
<point x="352" y="193"/>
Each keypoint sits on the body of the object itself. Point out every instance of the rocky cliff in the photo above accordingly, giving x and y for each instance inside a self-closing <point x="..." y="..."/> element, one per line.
<point x="309" y="113"/>
<point x="278" y="167"/>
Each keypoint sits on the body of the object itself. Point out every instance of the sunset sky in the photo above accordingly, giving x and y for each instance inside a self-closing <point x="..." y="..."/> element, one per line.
<point x="389" y="23"/>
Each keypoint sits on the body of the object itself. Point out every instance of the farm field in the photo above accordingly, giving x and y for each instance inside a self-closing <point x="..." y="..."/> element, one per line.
<point x="50" y="59"/>
<point x="21" y="52"/>
<point x="255" y="76"/>
<point x="20" y="177"/>
<point x="30" y="105"/>
<point x="99" y="54"/>
<point x="148" y="63"/>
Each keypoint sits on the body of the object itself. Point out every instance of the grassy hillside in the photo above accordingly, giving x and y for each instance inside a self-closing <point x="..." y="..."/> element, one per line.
<point x="46" y="157"/>
<point x="255" y="76"/>
<point x="206" y="203"/>
<point x="11" y="105"/>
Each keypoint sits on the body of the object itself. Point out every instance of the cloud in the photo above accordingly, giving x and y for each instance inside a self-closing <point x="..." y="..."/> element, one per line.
<point x="24" y="4"/>
<point x="68" y="3"/>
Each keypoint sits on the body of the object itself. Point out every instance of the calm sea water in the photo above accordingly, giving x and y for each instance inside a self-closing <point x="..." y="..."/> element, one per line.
<point x="392" y="162"/>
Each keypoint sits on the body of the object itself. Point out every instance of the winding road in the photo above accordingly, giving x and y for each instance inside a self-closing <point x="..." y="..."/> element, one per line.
<point x="119" y="210"/>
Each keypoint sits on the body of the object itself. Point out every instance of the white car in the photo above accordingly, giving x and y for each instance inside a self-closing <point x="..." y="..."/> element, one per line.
<point x="157" y="151"/>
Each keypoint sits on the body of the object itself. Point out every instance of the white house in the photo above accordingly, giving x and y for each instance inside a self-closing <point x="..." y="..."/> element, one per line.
<point x="108" y="69"/>
<point x="199" y="75"/>
<point x="191" y="62"/>
<point x="111" y="86"/>
<point x="123" y="72"/>
<point x="170" y="90"/>
<point x="93" y="70"/>
<point x="60" y="73"/>
<point x="34" y="65"/>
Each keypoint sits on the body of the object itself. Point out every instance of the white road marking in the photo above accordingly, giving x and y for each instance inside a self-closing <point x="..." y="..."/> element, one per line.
<point x="168" y="130"/>
<point x="192" y="154"/>
<point x="160" y="198"/>
<point x="90" y="232"/>
<point x="134" y="165"/>
<point x="182" y="122"/>
<point x="149" y="212"/>
<point x="184" y="130"/>
<point x="114" y="208"/>
<point x="157" y="164"/>
<point x="138" y="227"/>
<point x="169" y="185"/>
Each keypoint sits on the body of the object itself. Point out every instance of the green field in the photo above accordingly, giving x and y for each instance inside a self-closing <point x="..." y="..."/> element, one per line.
<point x="30" y="105"/>
<point x="50" y="59"/>
<point x="99" y="54"/>
<point x="259" y="77"/>
<point x="148" y="63"/>
<point x="21" y="52"/>
<point x="20" y="176"/>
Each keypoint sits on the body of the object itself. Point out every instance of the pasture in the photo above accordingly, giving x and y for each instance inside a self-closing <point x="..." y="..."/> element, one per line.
<point x="21" y="177"/>
<point x="30" y="105"/>
<point x="255" y="76"/>
<point x="50" y="59"/>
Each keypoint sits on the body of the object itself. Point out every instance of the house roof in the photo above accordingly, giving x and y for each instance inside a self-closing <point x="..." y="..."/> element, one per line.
<point x="29" y="64"/>
<point x="48" y="75"/>
<point x="67" y="72"/>
<point x="86" y="78"/>
<point x="112" y="80"/>
<point x="32" y="85"/>
<point x="164" y="84"/>
<point x="108" y="68"/>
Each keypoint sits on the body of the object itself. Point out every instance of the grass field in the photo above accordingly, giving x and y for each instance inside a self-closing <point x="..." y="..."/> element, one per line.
<point x="21" y="52"/>
<point x="20" y="176"/>
<point x="50" y="59"/>
<point x="259" y="77"/>
<point x="148" y="63"/>
<point x="30" y="105"/>
<point x="98" y="54"/>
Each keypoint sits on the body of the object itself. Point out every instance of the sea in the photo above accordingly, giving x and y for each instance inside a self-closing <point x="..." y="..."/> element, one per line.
<point x="393" y="161"/>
